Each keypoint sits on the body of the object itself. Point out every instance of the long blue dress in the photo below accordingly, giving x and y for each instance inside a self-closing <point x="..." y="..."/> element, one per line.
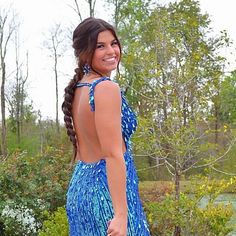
<point x="89" y="205"/>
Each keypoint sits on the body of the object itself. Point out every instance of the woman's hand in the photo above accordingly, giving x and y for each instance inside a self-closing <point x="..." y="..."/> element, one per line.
<point x="117" y="227"/>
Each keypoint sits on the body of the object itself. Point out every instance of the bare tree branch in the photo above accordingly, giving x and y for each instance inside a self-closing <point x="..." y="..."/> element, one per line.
<point x="77" y="9"/>
<point x="223" y="172"/>
<point x="151" y="167"/>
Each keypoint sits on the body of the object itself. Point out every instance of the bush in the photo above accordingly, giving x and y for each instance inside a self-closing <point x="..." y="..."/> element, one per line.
<point x="192" y="219"/>
<point x="56" y="224"/>
<point x="188" y="212"/>
<point x="17" y="220"/>
<point x="164" y="212"/>
<point x="30" y="185"/>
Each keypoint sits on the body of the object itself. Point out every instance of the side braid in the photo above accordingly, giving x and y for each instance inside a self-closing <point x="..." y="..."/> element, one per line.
<point x="67" y="110"/>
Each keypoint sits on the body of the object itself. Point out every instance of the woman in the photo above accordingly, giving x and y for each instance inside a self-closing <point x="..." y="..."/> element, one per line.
<point x="103" y="196"/>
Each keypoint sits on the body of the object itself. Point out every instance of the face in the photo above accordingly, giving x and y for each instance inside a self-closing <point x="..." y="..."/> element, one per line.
<point x="107" y="53"/>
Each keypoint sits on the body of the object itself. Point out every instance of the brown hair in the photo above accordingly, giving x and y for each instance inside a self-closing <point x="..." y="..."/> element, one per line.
<point x="84" y="43"/>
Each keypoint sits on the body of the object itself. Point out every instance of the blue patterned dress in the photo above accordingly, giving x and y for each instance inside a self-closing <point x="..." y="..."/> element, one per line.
<point x="89" y="205"/>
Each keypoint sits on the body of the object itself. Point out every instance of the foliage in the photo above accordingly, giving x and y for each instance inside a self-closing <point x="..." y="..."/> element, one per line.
<point x="192" y="219"/>
<point x="35" y="183"/>
<point x="171" y="73"/>
<point x="16" y="220"/>
<point x="56" y="224"/>
<point x="163" y="211"/>
<point x="226" y="167"/>
<point x="27" y="117"/>
<point x="145" y="151"/>
<point x="8" y="26"/>
<point x="36" y="136"/>
<point x="183" y="71"/>
<point x="190" y="213"/>
<point x="228" y="99"/>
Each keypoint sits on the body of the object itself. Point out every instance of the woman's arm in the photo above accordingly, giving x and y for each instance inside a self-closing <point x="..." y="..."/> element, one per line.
<point x="108" y="125"/>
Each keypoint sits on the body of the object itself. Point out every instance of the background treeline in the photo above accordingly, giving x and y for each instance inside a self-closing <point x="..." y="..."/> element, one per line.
<point x="174" y="77"/>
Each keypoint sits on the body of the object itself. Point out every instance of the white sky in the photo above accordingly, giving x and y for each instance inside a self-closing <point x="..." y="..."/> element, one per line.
<point x="39" y="16"/>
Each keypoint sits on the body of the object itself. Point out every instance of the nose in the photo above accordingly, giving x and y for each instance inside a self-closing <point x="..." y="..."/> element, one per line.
<point x="110" y="49"/>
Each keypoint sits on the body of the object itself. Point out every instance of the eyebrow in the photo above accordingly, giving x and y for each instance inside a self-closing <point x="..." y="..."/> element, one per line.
<point x="104" y="43"/>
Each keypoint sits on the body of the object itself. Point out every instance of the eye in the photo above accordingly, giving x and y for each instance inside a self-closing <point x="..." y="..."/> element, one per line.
<point x="115" y="42"/>
<point x="99" y="46"/>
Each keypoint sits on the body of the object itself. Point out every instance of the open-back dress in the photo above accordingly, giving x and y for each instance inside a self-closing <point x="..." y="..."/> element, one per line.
<point x="89" y="206"/>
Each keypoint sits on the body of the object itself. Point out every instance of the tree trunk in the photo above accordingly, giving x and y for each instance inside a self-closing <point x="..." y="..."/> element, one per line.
<point x="216" y="123"/>
<point x="23" y="93"/>
<point x="185" y="111"/>
<point x="91" y="7"/>
<point x="77" y="9"/>
<point x="41" y="132"/>
<point x="21" y="107"/>
<point x="18" y="124"/>
<point x="17" y="91"/>
<point x="3" y="109"/>
<point x="158" y="168"/>
<point x="56" y="81"/>
<point x="177" y="231"/>
<point x="7" y="27"/>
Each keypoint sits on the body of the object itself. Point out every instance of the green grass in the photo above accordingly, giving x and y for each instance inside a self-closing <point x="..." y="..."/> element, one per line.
<point x="29" y="143"/>
<point x="160" y="186"/>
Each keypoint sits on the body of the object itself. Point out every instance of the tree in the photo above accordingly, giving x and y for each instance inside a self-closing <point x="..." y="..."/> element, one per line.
<point x="118" y="10"/>
<point x="16" y="97"/>
<point x="56" y="49"/>
<point x="7" y="27"/>
<point x="77" y="9"/>
<point x="227" y="100"/>
<point x="173" y="70"/>
<point x="187" y="72"/>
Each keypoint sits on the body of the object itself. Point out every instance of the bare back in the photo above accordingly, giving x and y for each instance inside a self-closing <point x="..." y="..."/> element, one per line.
<point x="90" y="149"/>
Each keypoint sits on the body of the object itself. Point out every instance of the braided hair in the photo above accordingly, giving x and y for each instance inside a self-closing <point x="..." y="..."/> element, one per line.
<point x="84" y="43"/>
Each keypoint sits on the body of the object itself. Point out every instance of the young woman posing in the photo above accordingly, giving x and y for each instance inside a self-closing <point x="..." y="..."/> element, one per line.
<point x="103" y="197"/>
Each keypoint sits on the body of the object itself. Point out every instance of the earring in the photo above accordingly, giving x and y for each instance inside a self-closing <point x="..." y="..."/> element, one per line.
<point x="86" y="69"/>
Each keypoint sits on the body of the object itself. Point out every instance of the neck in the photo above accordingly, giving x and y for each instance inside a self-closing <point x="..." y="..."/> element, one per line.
<point x="94" y="73"/>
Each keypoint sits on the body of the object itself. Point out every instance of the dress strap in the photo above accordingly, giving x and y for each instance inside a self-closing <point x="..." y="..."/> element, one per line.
<point x="91" y="90"/>
<point x="82" y="84"/>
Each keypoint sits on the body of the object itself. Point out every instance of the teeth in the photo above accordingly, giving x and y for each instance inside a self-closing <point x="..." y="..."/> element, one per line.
<point x="110" y="59"/>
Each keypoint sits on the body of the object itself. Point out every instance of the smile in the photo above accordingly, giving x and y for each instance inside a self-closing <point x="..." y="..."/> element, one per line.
<point x="111" y="59"/>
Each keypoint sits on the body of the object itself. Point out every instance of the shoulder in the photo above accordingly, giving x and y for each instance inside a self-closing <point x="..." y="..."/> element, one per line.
<point x="107" y="88"/>
<point x="109" y="93"/>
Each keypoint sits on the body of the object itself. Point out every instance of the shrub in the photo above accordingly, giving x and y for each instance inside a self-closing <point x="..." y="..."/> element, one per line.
<point x="192" y="219"/>
<point x="31" y="184"/>
<point x="189" y="213"/>
<point x="164" y="212"/>
<point x="56" y="224"/>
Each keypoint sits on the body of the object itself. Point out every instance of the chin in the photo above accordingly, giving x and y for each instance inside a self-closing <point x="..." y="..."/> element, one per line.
<point x="108" y="71"/>
<point x="113" y="67"/>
